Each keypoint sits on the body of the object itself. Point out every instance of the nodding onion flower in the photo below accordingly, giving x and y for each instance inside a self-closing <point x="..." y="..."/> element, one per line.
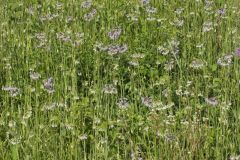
<point x="212" y="101"/>
<point x="109" y="89"/>
<point x="197" y="64"/>
<point x="86" y="4"/>
<point x="117" y="49"/>
<point x="147" y="101"/>
<point x="114" y="33"/>
<point x="225" y="60"/>
<point x="123" y="103"/>
<point x="48" y="85"/>
<point x="238" y="52"/>
<point x="144" y="2"/>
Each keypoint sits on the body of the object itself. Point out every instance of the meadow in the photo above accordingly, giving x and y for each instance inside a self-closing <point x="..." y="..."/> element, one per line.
<point x="119" y="80"/>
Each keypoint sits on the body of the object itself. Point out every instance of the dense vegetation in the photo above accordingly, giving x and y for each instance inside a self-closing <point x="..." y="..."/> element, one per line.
<point x="117" y="79"/>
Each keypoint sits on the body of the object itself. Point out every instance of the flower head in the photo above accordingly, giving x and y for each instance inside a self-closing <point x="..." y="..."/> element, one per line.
<point x="34" y="76"/>
<point x="109" y="89"/>
<point x="138" y="56"/>
<point x="197" y="64"/>
<point x="207" y="26"/>
<point x="234" y="157"/>
<point x="13" y="91"/>
<point x="225" y="60"/>
<point x="163" y="50"/>
<point x="83" y="137"/>
<point x="123" y="103"/>
<point x="48" y="85"/>
<point x="238" y="52"/>
<point x="145" y="2"/>
<point x="89" y="16"/>
<point x="147" y="101"/>
<point x="115" y="33"/>
<point x="134" y="63"/>
<point x="221" y="11"/>
<point x="151" y="9"/>
<point x="116" y="49"/>
<point x="86" y="4"/>
<point x="211" y="101"/>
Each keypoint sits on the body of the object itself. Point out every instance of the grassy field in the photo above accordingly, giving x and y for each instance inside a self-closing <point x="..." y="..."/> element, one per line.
<point x="119" y="80"/>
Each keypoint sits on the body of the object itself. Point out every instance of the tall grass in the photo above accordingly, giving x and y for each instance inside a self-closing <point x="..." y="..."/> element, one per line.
<point x="120" y="79"/>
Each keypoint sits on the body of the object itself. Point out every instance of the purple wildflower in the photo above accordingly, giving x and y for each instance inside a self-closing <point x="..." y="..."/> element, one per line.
<point x="212" y="101"/>
<point x="238" y="52"/>
<point x="115" y="33"/>
<point x="48" y="85"/>
<point x="221" y="12"/>
<point x="145" y="2"/>
<point x="116" y="49"/>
